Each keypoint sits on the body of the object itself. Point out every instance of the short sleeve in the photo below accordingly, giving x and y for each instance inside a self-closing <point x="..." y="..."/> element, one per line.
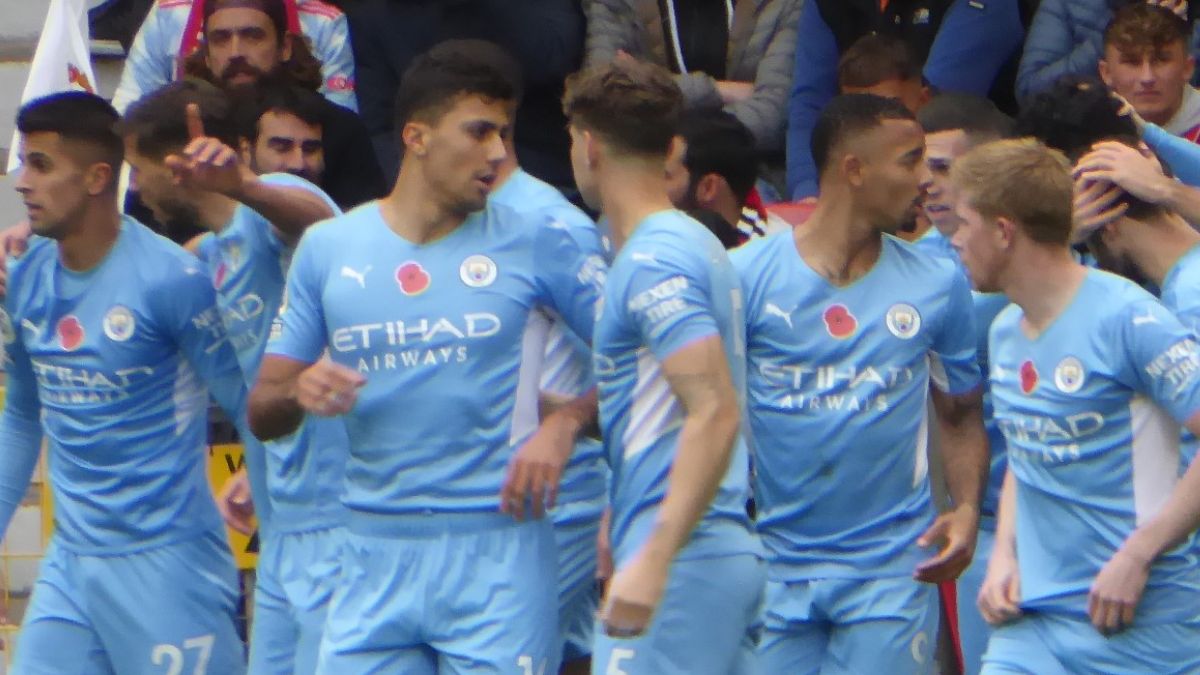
<point x="571" y="271"/>
<point x="954" y="364"/>
<point x="667" y="299"/>
<point x="1162" y="358"/>
<point x="299" y="330"/>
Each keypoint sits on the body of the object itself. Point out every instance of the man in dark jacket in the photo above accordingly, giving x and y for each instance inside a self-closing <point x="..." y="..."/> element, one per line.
<point x="545" y="36"/>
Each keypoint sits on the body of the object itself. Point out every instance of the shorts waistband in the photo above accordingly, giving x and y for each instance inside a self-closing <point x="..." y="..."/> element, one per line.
<point x="429" y="524"/>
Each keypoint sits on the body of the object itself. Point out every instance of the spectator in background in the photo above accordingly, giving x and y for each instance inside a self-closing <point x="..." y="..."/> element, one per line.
<point x="712" y="167"/>
<point x="171" y="33"/>
<point x="1147" y="63"/>
<point x="243" y="43"/>
<point x="964" y="46"/>
<point x="281" y="132"/>
<point x="1067" y="38"/>
<point x="735" y="55"/>
<point x="883" y="65"/>
<point x="544" y="36"/>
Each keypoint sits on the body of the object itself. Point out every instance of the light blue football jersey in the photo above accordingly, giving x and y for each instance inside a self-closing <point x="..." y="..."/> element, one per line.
<point x="248" y="263"/>
<point x="670" y="285"/>
<point x="1181" y="295"/>
<point x="566" y="367"/>
<point x="987" y="307"/>
<point x="1087" y="410"/>
<point x="449" y="336"/>
<point x="118" y="363"/>
<point x="838" y="381"/>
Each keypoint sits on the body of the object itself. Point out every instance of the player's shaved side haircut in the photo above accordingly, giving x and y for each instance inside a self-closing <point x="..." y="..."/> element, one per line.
<point x="451" y="70"/>
<point x="634" y="106"/>
<point x="851" y="115"/>
<point x="86" y="121"/>
<point x="975" y="116"/>
<point x="1022" y="180"/>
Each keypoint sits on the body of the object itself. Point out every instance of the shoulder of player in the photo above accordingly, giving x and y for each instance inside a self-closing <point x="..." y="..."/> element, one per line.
<point x="1007" y="320"/>
<point x="316" y="8"/>
<point x="40" y="253"/>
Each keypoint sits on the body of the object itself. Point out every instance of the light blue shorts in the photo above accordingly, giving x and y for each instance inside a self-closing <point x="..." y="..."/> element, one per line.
<point x="705" y="625"/>
<point x="577" y="594"/>
<point x="458" y="593"/>
<point x="850" y="627"/>
<point x="168" y="609"/>
<point x="297" y="573"/>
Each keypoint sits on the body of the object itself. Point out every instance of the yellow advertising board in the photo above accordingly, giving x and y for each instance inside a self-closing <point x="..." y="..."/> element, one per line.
<point x="223" y="462"/>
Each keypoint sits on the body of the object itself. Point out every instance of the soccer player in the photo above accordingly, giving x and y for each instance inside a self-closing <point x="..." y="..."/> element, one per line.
<point x="430" y="308"/>
<point x="1091" y="570"/>
<point x="112" y="336"/>
<point x="179" y="143"/>
<point x="566" y="375"/>
<point x="953" y="124"/>
<point x="847" y="327"/>
<point x="669" y="365"/>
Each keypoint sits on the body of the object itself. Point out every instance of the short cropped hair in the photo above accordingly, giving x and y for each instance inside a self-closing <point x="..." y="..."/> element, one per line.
<point x="277" y="96"/>
<point x="1139" y="26"/>
<point x="876" y="58"/>
<point x="849" y="115"/>
<point x="1072" y="115"/>
<point x="79" y="118"/>
<point x="452" y="69"/>
<point x="1022" y="180"/>
<point x="158" y="121"/>
<point x="718" y="142"/>
<point x="975" y="116"/>
<point x="634" y="106"/>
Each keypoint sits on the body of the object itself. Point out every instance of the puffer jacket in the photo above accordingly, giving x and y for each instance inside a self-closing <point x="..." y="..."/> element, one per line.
<point x="1067" y="38"/>
<point x="762" y="41"/>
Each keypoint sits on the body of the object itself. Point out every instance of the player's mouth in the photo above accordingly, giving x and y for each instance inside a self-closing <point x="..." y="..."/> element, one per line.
<point x="935" y="209"/>
<point x="32" y="209"/>
<point x="486" y="182"/>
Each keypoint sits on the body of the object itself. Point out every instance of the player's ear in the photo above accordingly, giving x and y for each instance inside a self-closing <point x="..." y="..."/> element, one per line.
<point x="1006" y="231"/>
<point x="707" y="188"/>
<point x="853" y="170"/>
<point x="98" y="178"/>
<point x="591" y="148"/>
<point x="415" y="136"/>
<point x="245" y="151"/>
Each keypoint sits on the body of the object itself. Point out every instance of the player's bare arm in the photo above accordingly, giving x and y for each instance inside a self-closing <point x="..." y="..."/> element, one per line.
<point x="536" y="468"/>
<point x="287" y="388"/>
<point x="964" y="448"/>
<point x="1118" y="588"/>
<point x="699" y="377"/>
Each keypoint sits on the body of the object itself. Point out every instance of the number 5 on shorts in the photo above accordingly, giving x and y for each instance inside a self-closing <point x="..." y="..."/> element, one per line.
<point x="614" y="663"/>
<point x="172" y="656"/>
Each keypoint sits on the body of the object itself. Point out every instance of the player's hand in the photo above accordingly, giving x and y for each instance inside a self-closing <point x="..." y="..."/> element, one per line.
<point x="1115" y="593"/>
<point x="328" y="389"/>
<point x="1119" y="164"/>
<point x="1127" y="110"/>
<point x="235" y="503"/>
<point x="1000" y="595"/>
<point x="536" y="468"/>
<point x="955" y="531"/>
<point x="206" y="162"/>
<point x="1179" y="7"/>
<point x="14" y="241"/>
<point x="1096" y="204"/>
<point x="604" y="556"/>
<point x="633" y="596"/>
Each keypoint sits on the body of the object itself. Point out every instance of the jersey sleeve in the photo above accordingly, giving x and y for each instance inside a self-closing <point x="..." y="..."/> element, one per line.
<point x="299" y="330"/>
<point x="186" y="307"/>
<point x="20" y="427"/>
<point x="260" y="232"/>
<point x="666" y="298"/>
<point x="1162" y="358"/>
<point x="954" y="364"/>
<point x="571" y="272"/>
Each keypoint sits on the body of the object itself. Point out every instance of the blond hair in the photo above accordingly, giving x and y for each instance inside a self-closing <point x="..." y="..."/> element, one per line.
<point x="1022" y="180"/>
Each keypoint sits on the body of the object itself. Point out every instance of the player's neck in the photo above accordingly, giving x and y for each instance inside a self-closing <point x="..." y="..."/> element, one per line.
<point x="91" y="241"/>
<point x="631" y="193"/>
<point x="837" y="242"/>
<point x="1043" y="284"/>
<point x="215" y="211"/>
<point x="410" y="212"/>
<point x="1160" y="246"/>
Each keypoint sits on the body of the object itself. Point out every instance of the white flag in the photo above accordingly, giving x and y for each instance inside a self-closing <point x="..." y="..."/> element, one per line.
<point x="62" y="61"/>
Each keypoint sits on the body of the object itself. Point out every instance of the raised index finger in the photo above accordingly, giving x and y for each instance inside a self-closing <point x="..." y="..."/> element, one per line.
<point x="195" y="124"/>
